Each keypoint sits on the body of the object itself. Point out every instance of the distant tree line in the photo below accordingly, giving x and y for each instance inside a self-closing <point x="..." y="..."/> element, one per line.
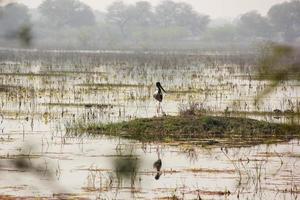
<point x="71" y="24"/>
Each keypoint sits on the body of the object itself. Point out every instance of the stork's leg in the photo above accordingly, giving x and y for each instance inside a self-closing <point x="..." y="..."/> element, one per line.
<point x="157" y="110"/>
<point x="159" y="107"/>
<point x="162" y="111"/>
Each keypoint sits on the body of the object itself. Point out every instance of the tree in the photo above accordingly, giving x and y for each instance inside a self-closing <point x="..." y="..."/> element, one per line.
<point x="14" y="16"/>
<point x="119" y="14"/>
<point x="129" y="17"/>
<point x="142" y="14"/>
<point x="169" y="13"/>
<point x="166" y="13"/>
<point x="285" y="18"/>
<point x="253" y="25"/>
<point x="66" y="13"/>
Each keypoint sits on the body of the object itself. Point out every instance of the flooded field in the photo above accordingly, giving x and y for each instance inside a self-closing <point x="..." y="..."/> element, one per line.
<point x="42" y="92"/>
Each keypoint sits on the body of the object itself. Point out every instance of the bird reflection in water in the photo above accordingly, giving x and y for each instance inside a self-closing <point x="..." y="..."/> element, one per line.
<point x="157" y="165"/>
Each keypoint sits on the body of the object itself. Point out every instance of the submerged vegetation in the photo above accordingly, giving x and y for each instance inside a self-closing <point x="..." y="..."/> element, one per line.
<point x="204" y="129"/>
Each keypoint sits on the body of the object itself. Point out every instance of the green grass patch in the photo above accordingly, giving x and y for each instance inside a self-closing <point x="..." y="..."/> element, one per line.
<point x="210" y="130"/>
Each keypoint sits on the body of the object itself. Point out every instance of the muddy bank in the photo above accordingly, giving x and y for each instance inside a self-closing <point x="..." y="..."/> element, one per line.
<point x="204" y="130"/>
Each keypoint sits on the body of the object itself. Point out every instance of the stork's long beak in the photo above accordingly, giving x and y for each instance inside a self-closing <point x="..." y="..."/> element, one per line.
<point x="162" y="89"/>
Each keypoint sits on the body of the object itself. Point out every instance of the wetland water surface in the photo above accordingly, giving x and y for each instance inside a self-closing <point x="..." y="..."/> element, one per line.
<point x="39" y="97"/>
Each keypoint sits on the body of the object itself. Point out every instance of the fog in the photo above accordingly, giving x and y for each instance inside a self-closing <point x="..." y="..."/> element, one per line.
<point x="214" y="8"/>
<point x="190" y="24"/>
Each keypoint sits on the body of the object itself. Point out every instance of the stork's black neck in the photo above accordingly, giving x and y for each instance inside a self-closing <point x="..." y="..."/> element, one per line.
<point x="159" y="90"/>
<point x="159" y="87"/>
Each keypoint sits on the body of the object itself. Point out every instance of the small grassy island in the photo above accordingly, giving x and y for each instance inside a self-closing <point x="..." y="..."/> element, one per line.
<point x="196" y="129"/>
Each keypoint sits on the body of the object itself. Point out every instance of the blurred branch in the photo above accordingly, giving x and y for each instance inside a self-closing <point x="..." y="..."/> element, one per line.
<point x="277" y="63"/>
<point x="126" y="166"/>
<point x="4" y="2"/>
<point x="25" y="35"/>
<point x="15" y="23"/>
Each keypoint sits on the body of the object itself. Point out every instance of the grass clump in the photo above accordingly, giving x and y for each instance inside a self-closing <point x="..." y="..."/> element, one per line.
<point x="208" y="130"/>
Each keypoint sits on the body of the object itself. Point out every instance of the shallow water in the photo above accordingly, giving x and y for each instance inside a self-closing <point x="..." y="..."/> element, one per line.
<point x="38" y="160"/>
<point x="84" y="167"/>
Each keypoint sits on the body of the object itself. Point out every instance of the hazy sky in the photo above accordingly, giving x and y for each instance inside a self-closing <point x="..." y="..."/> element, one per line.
<point x="214" y="8"/>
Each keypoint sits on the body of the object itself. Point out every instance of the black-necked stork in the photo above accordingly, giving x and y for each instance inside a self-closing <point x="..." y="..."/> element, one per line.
<point x="158" y="95"/>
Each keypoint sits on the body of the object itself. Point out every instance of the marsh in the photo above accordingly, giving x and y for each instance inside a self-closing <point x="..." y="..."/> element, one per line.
<point x="77" y="113"/>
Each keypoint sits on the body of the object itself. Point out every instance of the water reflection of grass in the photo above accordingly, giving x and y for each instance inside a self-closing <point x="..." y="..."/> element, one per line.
<point x="86" y="105"/>
<point x="49" y="74"/>
<point x="285" y="113"/>
<point x="188" y="91"/>
<point x="7" y="88"/>
<point x="208" y="130"/>
<point x="29" y="74"/>
<point x="112" y="85"/>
